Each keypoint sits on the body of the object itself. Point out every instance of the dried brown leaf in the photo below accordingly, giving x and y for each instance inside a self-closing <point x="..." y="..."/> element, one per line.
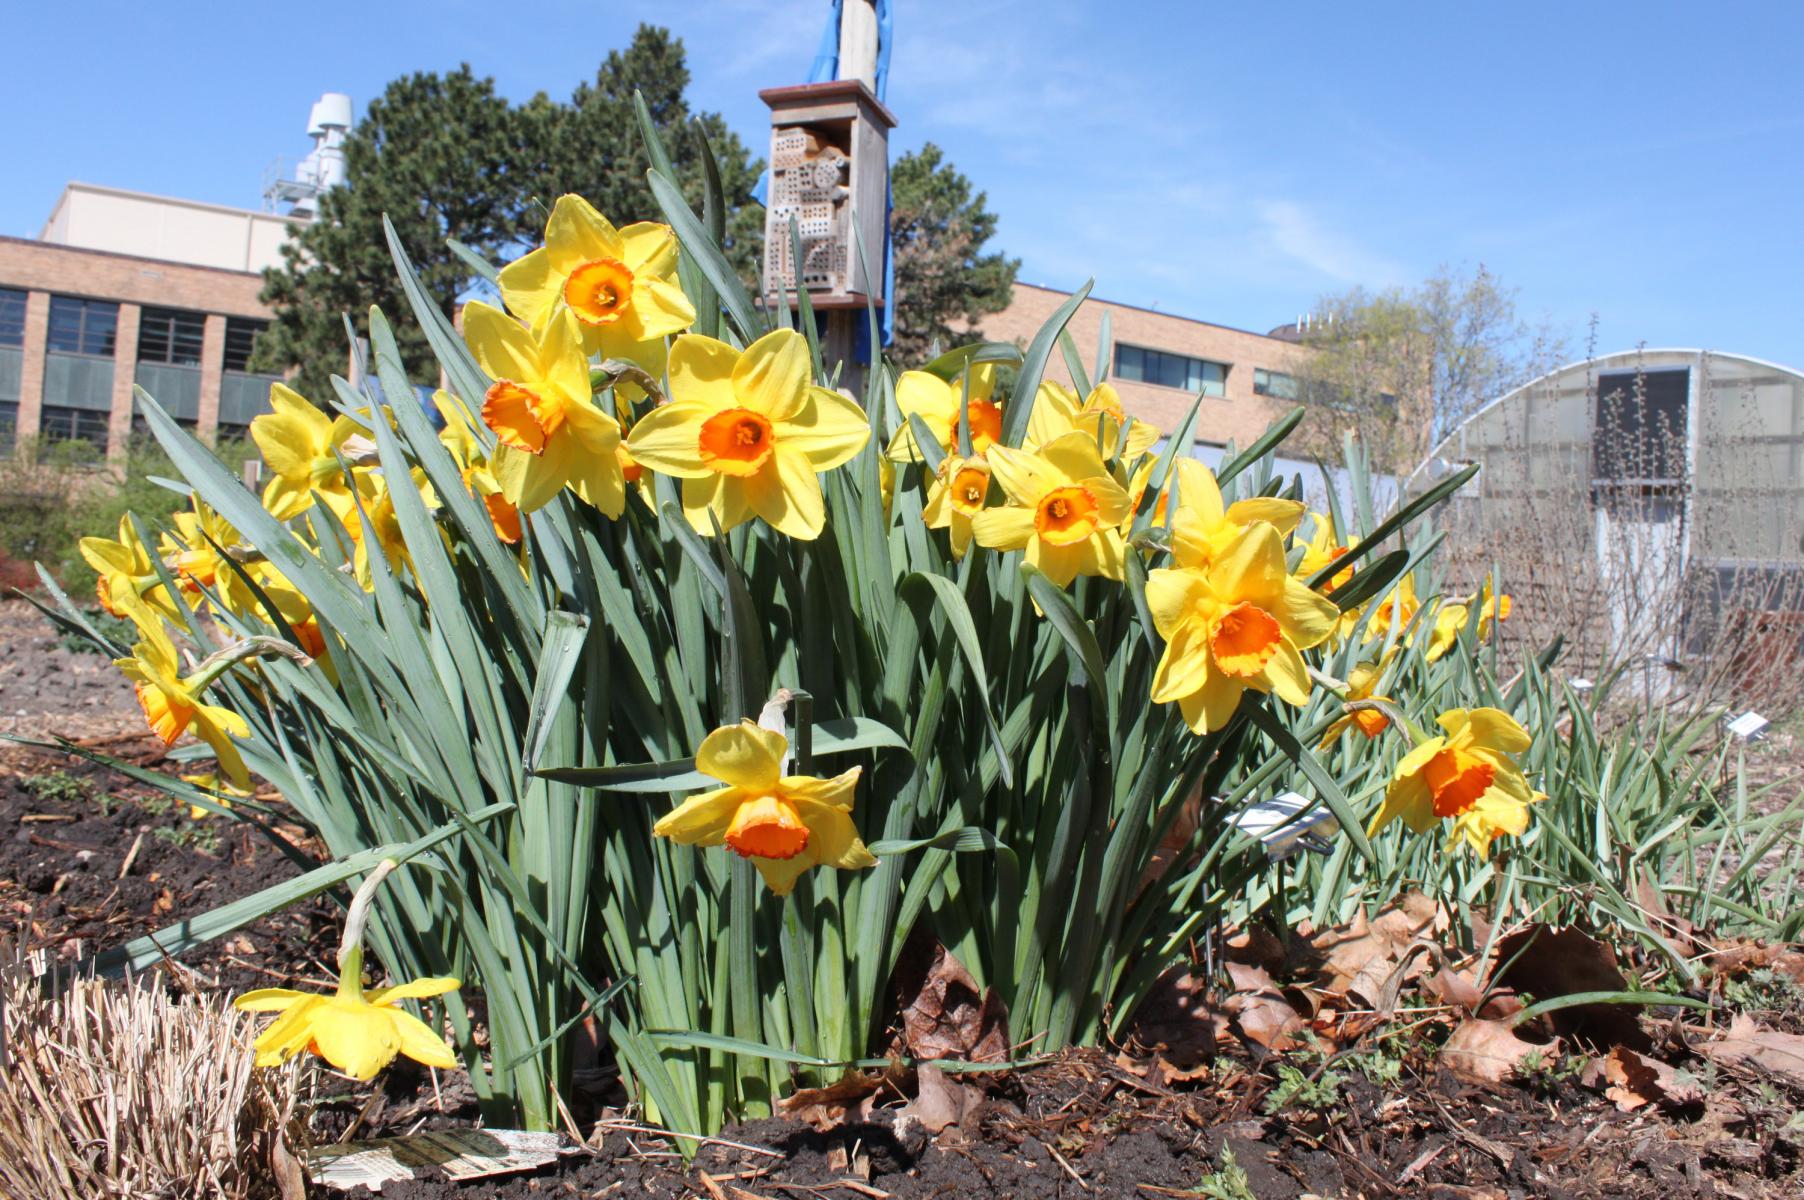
<point x="1547" y="962"/>
<point x="1488" y="1052"/>
<point x="1176" y="1025"/>
<point x="827" y="1108"/>
<point x="945" y="1016"/>
<point x="1634" y="1081"/>
<point x="1747" y="1042"/>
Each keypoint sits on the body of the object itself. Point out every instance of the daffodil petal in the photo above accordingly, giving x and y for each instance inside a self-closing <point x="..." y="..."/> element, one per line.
<point x="828" y="430"/>
<point x="701" y="820"/>
<point x="771" y="375"/>
<point x="744" y="755"/>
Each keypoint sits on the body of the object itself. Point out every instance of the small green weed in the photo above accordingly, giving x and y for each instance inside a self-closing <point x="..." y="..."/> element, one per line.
<point x="1296" y="1089"/>
<point x="1545" y="1074"/>
<point x="58" y="787"/>
<point x="1764" y="990"/>
<point x="1230" y="1182"/>
<point x="192" y="835"/>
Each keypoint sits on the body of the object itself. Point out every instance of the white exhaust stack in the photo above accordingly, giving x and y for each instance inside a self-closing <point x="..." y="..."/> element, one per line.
<point x="328" y="123"/>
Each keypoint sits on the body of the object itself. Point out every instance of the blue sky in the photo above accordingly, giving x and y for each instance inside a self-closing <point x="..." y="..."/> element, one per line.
<point x="1639" y="161"/>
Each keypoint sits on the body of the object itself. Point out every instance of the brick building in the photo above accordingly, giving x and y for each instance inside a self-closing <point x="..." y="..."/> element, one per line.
<point x="123" y="288"/>
<point x="1160" y="362"/>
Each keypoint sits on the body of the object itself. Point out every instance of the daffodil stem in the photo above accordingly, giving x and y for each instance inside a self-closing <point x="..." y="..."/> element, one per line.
<point x="1337" y="686"/>
<point x="350" y="946"/>
<point x="220" y="661"/>
<point x="1396" y="715"/>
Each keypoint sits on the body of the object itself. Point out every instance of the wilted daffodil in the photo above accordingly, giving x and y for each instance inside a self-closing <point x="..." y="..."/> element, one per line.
<point x="356" y="1031"/>
<point x="1466" y="775"/>
<point x="619" y="284"/>
<point x="172" y="703"/>
<point x="1237" y="624"/>
<point x="783" y="823"/>
<point x="1360" y="686"/>
<point x="1202" y="527"/>
<point x="935" y="401"/>
<point x="1449" y="619"/>
<point x="127" y="576"/>
<point x="1056" y="412"/>
<point x="956" y="495"/>
<point x="1492" y="607"/>
<point x="1064" y="509"/>
<point x="301" y="446"/>
<point x="747" y="431"/>
<point x="549" y="431"/>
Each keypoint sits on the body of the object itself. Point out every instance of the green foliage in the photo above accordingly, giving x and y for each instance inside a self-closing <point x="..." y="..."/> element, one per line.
<point x="1548" y="1074"/>
<point x="58" y="787"/>
<point x="445" y="156"/>
<point x="1228" y="1182"/>
<point x="53" y="494"/>
<point x="939" y="231"/>
<point x="1317" y="1091"/>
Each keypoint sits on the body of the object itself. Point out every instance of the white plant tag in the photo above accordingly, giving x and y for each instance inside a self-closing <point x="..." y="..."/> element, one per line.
<point x="1275" y="823"/>
<point x="459" y="1153"/>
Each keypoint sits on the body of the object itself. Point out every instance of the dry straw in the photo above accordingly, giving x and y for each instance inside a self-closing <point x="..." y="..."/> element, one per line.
<point x="116" y="1089"/>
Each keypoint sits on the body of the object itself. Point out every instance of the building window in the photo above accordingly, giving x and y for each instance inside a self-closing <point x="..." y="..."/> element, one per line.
<point x="9" y="423"/>
<point x="1135" y="364"/>
<point x="60" y="424"/>
<point x="12" y="317"/>
<point x="240" y="340"/>
<point x="169" y="335"/>
<point x="1275" y="384"/>
<point x="82" y="326"/>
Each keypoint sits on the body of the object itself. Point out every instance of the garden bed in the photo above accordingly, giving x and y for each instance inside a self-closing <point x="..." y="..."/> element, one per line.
<point x="91" y="859"/>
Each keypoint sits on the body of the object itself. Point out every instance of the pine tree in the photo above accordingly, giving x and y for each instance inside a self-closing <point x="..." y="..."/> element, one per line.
<point x="939" y="230"/>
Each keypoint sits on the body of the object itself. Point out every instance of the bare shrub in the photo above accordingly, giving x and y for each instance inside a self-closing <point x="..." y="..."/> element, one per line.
<point x="114" y="1089"/>
<point x="1686" y="583"/>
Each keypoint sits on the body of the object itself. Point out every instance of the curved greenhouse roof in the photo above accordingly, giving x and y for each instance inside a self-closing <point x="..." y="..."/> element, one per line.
<point x="1707" y="444"/>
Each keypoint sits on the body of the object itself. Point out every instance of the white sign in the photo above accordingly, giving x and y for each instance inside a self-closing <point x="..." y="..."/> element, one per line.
<point x="1284" y="826"/>
<point x="1748" y="725"/>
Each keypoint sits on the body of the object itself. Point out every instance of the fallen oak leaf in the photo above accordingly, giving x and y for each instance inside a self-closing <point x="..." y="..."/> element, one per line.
<point x="1746" y="1042"/>
<point x="1634" y="1081"/>
<point x="1489" y="1052"/>
<point x="828" y="1108"/>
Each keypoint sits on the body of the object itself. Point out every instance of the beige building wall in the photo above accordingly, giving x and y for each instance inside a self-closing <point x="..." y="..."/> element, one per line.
<point x="161" y="227"/>
<point x="1239" y="414"/>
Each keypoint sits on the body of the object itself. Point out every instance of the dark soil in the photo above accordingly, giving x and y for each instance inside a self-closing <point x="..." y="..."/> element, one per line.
<point x="89" y="859"/>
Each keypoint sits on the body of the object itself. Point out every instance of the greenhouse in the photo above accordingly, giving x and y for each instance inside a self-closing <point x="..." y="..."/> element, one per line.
<point x="1666" y="484"/>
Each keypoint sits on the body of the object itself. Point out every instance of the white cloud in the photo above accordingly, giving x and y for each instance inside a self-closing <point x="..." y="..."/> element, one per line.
<point x="1293" y="231"/>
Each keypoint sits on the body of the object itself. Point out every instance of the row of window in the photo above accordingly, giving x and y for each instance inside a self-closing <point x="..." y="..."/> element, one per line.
<point x="165" y="335"/>
<point x="1137" y="364"/>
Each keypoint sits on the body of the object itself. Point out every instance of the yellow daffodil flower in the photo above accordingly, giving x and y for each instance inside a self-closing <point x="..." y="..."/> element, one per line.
<point x="1360" y="686"/>
<point x="460" y="439"/>
<point x="127" y="576"/>
<point x="747" y="431"/>
<point x="1236" y="624"/>
<point x="191" y="554"/>
<point x="1449" y="619"/>
<point x="223" y="793"/>
<point x="172" y="704"/>
<point x="956" y="495"/>
<point x="1492" y="607"/>
<point x="357" y="1032"/>
<point x="549" y="431"/>
<point x="936" y="402"/>
<point x="1064" y="509"/>
<point x="1056" y="412"/>
<point x="1467" y="775"/>
<point x="1202" y="527"/>
<point x="783" y="823"/>
<point x="300" y="446"/>
<point x="1397" y="609"/>
<point x="619" y="284"/>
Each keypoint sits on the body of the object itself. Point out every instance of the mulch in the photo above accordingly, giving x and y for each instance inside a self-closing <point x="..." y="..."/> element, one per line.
<point x="89" y="859"/>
